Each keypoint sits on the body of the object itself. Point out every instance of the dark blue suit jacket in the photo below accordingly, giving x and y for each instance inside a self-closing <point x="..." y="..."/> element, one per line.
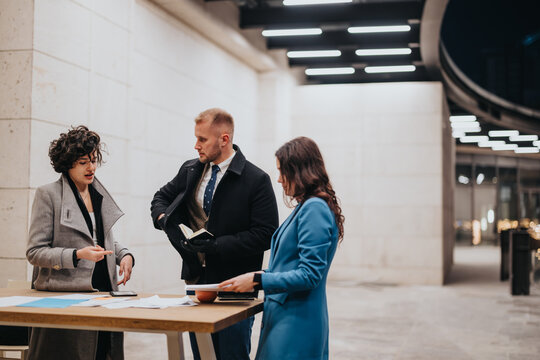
<point x="243" y="217"/>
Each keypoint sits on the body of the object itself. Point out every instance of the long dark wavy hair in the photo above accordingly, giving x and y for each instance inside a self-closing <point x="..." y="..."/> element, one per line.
<point x="302" y="167"/>
<point x="71" y="146"/>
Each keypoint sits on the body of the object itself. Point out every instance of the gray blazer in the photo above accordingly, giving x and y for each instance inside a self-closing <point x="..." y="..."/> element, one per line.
<point x="57" y="228"/>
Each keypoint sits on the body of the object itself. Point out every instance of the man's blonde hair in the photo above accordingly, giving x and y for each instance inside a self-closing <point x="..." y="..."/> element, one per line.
<point x="217" y="117"/>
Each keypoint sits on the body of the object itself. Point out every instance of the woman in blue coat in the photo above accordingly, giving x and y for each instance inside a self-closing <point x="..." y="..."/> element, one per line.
<point x="295" y="319"/>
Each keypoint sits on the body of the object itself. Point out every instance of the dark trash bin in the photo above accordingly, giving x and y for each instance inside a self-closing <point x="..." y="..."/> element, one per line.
<point x="521" y="245"/>
<point x="504" y="240"/>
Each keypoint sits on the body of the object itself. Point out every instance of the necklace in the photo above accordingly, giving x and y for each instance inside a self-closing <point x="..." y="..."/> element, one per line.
<point x="84" y="197"/>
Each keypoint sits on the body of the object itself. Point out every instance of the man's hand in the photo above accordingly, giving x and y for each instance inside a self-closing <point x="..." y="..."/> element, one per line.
<point x="126" y="264"/>
<point x="160" y="221"/>
<point x="93" y="253"/>
<point x="208" y="246"/>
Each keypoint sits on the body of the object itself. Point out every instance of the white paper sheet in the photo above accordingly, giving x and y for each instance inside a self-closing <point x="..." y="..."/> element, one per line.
<point x="77" y="296"/>
<point x="153" y="302"/>
<point x="16" y="300"/>
<point x="100" y="301"/>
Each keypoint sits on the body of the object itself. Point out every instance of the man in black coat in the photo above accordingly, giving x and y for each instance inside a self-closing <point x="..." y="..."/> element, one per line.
<point x="233" y="200"/>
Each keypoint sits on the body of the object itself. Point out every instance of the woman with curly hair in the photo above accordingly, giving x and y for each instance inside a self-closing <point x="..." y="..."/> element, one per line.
<point x="295" y="318"/>
<point x="71" y="245"/>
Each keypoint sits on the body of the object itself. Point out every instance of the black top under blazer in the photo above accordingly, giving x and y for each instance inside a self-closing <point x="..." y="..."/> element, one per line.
<point x="243" y="218"/>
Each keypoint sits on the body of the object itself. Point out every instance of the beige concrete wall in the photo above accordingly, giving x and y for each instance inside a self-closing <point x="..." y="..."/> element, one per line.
<point x="129" y="71"/>
<point x="138" y="76"/>
<point x="383" y="145"/>
<point x="16" y="29"/>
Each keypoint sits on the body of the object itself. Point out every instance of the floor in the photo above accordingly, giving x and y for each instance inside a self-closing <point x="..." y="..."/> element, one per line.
<point x="472" y="317"/>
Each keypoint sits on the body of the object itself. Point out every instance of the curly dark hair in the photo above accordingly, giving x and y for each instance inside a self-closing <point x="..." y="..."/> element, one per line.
<point x="71" y="146"/>
<point x="302" y="165"/>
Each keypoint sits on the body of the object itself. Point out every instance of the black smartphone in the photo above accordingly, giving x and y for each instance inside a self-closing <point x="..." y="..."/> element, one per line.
<point x="123" y="293"/>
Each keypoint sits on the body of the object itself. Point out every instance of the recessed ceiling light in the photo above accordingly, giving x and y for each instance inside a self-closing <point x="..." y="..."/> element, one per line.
<point x="389" y="69"/>
<point x="462" y="118"/>
<point x="491" y="143"/>
<point x="330" y="71"/>
<point x="378" y="29"/>
<point x="526" y="150"/>
<point x="313" y="53"/>
<point x="376" y="52"/>
<point x="464" y="125"/>
<point x="504" y="147"/>
<point x="314" y="2"/>
<point x="473" y="139"/>
<point x="292" y="32"/>
<point x="524" y="138"/>
<point x="503" y="133"/>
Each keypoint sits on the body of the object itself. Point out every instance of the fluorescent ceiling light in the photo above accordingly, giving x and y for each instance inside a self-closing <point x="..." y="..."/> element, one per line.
<point x="524" y="138"/>
<point x="471" y="130"/>
<point x="464" y="125"/>
<point x="536" y="143"/>
<point x="473" y="139"/>
<point x="503" y="133"/>
<point x="330" y="71"/>
<point x="458" y="134"/>
<point x="378" y="29"/>
<point x="462" y="118"/>
<point x="504" y="147"/>
<point x="387" y="69"/>
<point x="463" y="180"/>
<point x="375" y="52"/>
<point x="491" y="143"/>
<point x="314" y="2"/>
<point x="292" y="32"/>
<point x="480" y="178"/>
<point x="527" y="150"/>
<point x="314" y="53"/>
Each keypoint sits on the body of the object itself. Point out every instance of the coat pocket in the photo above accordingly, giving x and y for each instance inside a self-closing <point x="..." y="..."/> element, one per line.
<point x="280" y="298"/>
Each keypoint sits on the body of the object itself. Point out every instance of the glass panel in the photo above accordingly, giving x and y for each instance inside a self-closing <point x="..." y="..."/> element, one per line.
<point x="508" y="199"/>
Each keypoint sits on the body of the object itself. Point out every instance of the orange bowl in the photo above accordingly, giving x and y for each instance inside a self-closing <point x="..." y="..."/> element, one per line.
<point x="205" y="296"/>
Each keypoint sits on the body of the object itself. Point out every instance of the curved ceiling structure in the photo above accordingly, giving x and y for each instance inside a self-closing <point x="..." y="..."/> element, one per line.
<point x="359" y="41"/>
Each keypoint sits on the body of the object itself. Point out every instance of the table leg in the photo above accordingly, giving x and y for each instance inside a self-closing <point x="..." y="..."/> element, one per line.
<point x="206" y="348"/>
<point x="175" y="346"/>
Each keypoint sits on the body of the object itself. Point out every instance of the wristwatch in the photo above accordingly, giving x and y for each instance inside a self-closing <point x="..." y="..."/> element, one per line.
<point x="257" y="278"/>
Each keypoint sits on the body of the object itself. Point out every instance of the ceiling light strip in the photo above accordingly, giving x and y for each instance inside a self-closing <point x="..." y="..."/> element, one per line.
<point x="503" y="133"/>
<point x="378" y="52"/>
<point x="313" y="53"/>
<point x="389" y="69"/>
<point x="292" y="32"/>
<point x="462" y="118"/>
<point x="524" y="138"/>
<point x="330" y="71"/>
<point x="314" y="2"/>
<point x="378" y="29"/>
<point x="527" y="150"/>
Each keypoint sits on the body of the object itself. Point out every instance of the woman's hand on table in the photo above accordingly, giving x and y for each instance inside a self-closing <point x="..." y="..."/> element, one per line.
<point x="240" y="283"/>
<point x="126" y="265"/>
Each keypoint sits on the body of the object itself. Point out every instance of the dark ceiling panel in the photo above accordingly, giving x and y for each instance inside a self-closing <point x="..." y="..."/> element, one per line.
<point x="342" y="38"/>
<point x="316" y="15"/>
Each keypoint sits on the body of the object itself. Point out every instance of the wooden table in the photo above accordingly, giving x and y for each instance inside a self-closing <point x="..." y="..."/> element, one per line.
<point x="202" y="319"/>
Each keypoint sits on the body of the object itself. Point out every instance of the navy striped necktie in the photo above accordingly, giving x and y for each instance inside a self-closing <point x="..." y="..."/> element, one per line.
<point x="209" y="191"/>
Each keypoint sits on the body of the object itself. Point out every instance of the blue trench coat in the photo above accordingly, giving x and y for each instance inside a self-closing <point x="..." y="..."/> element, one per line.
<point x="295" y="318"/>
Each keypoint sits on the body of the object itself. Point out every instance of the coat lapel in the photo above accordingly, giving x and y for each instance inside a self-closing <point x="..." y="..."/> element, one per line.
<point x="110" y="211"/>
<point x="279" y="234"/>
<point x="71" y="215"/>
